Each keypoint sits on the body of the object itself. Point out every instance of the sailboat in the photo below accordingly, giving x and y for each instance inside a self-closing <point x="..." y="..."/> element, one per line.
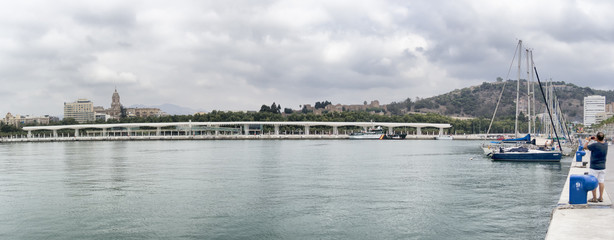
<point x="522" y="149"/>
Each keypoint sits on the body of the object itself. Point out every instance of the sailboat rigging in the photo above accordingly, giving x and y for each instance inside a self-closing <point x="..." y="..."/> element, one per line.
<point x="524" y="148"/>
<point x="548" y="108"/>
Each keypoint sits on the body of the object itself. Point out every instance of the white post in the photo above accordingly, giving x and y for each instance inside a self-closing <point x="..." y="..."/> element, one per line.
<point x="306" y="129"/>
<point x="335" y="130"/>
<point x="276" y="129"/>
<point x="246" y="129"/>
<point x="189" y="127"/>
<point x="418" y="130"/>
<point x="76" y="132"/>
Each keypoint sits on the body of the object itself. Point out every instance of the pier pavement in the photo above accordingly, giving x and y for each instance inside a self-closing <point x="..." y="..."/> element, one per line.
<point x="584" y="221"/>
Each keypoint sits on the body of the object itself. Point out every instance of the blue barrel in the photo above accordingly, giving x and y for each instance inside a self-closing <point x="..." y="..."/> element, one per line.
<point x="579" y="185"/>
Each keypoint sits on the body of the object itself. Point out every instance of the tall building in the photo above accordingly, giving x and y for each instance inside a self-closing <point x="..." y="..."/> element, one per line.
<point x="115" y="112"/>
<point x="82" y="111"/>
<point x="593" y="105"/>
<point x="116" y="107"/>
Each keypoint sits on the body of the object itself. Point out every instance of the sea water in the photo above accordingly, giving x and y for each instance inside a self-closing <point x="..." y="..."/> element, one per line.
<point x="272" y="189"/>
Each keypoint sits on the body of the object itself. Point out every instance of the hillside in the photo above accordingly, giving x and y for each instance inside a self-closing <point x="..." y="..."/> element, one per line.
<point x="480" y="101"/>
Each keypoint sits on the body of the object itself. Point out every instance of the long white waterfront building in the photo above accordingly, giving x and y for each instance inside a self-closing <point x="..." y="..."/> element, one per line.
<point x="191" y="128"/>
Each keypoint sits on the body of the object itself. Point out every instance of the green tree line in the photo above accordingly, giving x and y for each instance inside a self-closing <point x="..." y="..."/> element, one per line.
<point x="467" y="126"/>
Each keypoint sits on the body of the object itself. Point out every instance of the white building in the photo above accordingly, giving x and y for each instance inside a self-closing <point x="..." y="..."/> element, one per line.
<point x="82" y="111"/>
<point x="593" y="105"/>
<point x="102" y="116"/>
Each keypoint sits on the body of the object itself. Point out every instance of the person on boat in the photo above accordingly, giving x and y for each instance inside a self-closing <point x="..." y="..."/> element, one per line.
<point x="599" y="151"/>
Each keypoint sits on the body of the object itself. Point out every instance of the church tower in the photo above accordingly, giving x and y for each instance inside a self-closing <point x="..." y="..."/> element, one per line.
<point x="115" y="105"/>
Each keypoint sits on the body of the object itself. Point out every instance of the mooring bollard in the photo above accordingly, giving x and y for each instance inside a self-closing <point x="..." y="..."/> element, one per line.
<point x="580" y="153"/>
<point x="579" y="185"/>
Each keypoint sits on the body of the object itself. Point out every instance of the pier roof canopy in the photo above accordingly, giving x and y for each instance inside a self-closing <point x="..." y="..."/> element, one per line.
<point x="194" y="124"/>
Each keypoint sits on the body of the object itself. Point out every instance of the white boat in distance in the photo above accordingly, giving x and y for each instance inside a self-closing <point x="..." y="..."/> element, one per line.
<point x="376" y="133"/>
<point x="444" y="137"/>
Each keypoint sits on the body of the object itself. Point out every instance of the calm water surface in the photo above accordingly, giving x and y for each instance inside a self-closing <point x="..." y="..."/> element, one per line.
<point x="284" y="189"/>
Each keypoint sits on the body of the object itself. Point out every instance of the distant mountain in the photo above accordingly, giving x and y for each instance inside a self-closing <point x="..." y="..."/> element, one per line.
<point x="171" y="109"/>
<point x="480" y="101"/>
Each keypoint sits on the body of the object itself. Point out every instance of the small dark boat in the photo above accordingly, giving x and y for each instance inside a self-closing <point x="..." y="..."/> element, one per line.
<point x="393" y="136"/>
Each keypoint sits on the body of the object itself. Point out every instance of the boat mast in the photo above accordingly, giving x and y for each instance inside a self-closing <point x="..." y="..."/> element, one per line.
<point x="528" y="92"/>
<point x="518" y="88"/>
<point x="551" y="99"/>
<point x="548" y="125"/>
<point x="547" y="108"/>
<point x="554" y="125"/>
<point x="502" y="90"/>
<point x="557" y="112"/>
<point x="533" y="91"/>
<point x="561" y="116"/>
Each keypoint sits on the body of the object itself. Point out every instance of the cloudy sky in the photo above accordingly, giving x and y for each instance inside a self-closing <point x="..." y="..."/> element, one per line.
<point x="238" y="55"/>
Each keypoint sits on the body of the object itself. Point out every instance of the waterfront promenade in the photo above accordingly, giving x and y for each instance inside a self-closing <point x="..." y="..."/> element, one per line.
<point x="49" y="138"/>
<point x="228" y="131"/>
<point x="225" y="128"/>
<point x="584" y="221"/>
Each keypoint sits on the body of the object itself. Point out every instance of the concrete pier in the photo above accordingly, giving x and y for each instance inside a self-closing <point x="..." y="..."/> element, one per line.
<point x="585" y="221"/>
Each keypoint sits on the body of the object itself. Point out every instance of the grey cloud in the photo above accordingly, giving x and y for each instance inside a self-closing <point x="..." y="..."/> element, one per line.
<point x="237" y="55"/>
<point x="120" y="18"/>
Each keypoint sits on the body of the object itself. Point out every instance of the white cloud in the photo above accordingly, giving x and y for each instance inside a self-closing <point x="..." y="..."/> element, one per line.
<point x="102" y="74"/>
<point x="335" y="52"/>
